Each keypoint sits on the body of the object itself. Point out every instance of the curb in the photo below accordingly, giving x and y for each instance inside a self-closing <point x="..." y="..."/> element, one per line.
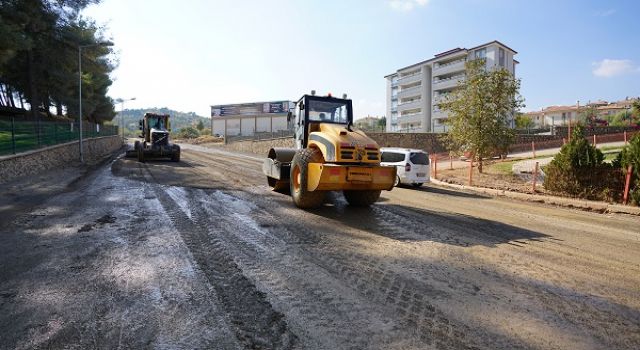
<point x="584" y="204"/>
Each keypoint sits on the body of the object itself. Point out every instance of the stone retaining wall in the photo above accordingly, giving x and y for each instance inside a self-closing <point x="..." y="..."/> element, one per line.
<point x="33" y="162"/>
<point x="429" y="142"/>
<point x="260" y="147"/>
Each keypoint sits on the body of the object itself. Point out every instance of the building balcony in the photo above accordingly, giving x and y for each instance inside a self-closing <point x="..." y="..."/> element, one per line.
<point x="415" y="119"/>
<point x="439" y="98"/>
<point x="413" y="91"/>
<point x="410" y="105"/>
<point x="438" y="114"/>
<point x="448" y="83"/>
<point x="410" y="78"/>
<point x="450" y="67"/>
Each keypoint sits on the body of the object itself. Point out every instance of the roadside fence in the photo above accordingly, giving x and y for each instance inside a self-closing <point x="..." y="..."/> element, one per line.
<point x="594" y="139"/>
<point x="19" y="136"/>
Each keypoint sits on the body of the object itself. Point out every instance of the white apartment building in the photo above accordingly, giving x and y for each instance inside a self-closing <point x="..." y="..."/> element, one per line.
<point x="413" y="92"/>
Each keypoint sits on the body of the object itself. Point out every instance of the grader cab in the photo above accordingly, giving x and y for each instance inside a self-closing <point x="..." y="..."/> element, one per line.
<point x="154" y="131"/>
<point x="329" y="156"/>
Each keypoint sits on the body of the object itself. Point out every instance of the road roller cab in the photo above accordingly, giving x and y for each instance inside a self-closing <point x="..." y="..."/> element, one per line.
<point x="330" y="155"/>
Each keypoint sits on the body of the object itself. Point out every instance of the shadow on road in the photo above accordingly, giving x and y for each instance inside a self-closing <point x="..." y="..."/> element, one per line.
<point x="444" y="191"/>
<point x="404" y="223"/>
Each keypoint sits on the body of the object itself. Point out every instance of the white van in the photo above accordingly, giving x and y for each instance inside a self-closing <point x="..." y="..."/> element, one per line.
<point x="412" y="164"/>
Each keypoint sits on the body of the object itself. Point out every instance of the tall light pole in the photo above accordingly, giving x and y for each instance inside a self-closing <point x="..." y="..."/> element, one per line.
<point x="121" y="102"/>
<point x="80" y="47"/>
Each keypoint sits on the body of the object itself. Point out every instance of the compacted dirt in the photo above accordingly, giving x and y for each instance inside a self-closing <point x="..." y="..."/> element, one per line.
<point x="201" y="254"/>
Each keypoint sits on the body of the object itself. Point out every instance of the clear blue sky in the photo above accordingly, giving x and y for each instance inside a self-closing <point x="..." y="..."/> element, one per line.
<point x="188" y="55"/>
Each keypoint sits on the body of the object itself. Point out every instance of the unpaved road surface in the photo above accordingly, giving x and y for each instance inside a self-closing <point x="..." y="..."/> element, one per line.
<point x="201" y="254"/>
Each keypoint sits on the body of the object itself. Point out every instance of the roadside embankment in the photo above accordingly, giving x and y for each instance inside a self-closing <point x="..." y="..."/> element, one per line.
<point x="36" y="161"/>
<point x="597" y="206"/>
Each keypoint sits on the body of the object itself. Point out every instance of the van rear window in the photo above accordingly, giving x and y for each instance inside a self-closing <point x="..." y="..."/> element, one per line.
<point x="419" y="158"/>
<point x="392" y="157"/>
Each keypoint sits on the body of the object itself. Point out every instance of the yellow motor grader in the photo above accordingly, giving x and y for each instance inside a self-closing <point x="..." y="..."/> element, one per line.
<point x="330" y="155"/>
<point x="154" y="132"/>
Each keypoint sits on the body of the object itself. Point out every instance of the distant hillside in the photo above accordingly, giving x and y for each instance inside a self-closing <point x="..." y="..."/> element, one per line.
<point x="178" y="120"/>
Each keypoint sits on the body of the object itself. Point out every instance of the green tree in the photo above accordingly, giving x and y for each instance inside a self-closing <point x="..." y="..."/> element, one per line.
<point x="636" y="108"/>
<point x="200" y="125"/>
<point x="589" y="114"/>
<point x="622" y="118"/>
<point x="41" y="67"/>
<point x="382" y="123"/>
<point x="188" y="133"/>
<point x="524" y="121"/>
<point x="480" y="111"/>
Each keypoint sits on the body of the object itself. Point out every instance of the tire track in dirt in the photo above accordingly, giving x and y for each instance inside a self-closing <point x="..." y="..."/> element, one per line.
<point x="405" y="299"/>
<point x="323" y="307"/>
<point x="254" y="322"/>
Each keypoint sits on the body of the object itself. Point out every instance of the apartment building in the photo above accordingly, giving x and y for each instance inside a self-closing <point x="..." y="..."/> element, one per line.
<point x="413" y="92"/>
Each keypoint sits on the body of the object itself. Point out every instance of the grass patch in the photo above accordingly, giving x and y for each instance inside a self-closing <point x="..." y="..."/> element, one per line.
<point x="609" y="157"/>
<point x="502" y="167"/>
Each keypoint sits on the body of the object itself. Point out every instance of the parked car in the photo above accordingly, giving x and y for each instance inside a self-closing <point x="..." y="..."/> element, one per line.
<point x="412" y="165"/>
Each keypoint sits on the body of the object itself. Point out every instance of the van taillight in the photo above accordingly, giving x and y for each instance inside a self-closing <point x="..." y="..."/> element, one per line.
<point x="407" y="167"/>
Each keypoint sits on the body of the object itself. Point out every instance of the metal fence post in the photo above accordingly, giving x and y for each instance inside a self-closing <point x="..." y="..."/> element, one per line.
<point x="535" y="177"/>
<point x="533" y="148"/>
<point x="13" y="134"/>
<point x="435" y="167"/>
<point x="627" y="183"/>
<point x="470" y="170"/>
<point x="625" y="137"/>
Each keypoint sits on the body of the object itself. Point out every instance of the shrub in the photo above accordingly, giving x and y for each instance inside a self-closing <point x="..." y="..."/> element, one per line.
<point x="188" y="132"/>
<point x="579" y="171"/>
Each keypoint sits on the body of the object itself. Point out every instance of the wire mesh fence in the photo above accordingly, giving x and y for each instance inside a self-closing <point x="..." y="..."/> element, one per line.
<point x="19" y="136"/>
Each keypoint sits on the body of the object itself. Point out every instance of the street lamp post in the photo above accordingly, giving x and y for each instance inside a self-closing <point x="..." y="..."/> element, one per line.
<point x="80" y="47"/>
<point x="121" y="102"/>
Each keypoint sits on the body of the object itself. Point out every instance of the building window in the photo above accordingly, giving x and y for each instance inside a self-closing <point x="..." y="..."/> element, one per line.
<point x="501" y="57"/>
<point x="481" y="53"/>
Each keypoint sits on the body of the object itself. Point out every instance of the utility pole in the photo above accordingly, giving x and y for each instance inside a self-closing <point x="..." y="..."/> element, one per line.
<point x="121" y="102"/>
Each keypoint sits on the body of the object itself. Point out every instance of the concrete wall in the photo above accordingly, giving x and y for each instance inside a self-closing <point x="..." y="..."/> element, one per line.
<point x="33" y="162"/>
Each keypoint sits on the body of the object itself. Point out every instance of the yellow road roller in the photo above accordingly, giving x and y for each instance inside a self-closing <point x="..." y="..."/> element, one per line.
<point x="330" y="155"/>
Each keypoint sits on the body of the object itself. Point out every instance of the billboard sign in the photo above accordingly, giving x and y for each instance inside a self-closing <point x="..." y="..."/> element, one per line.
<point x="250" y="108"/>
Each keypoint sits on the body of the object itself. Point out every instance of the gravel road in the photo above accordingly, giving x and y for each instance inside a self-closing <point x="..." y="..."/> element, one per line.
<point x="201" y="254"/>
